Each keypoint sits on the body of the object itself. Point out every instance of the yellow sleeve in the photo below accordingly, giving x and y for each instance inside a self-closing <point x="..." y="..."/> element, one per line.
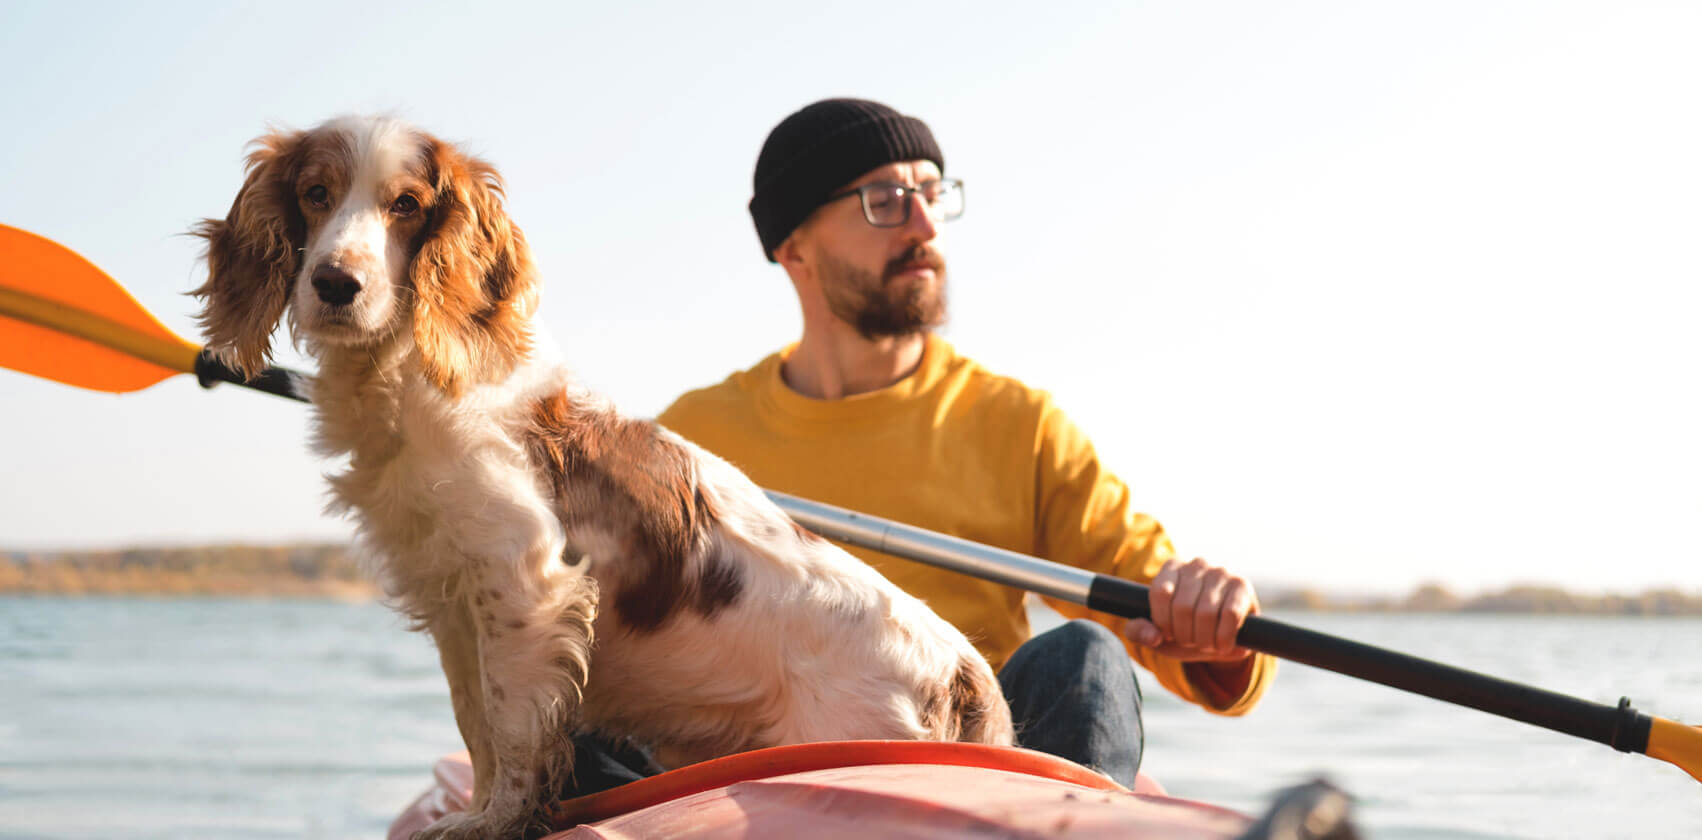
<point x="1085" y="518"/>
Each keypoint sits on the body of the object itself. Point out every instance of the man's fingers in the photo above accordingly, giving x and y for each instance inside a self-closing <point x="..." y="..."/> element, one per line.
<point x="1209" y="613"/>
<point x="1238" y="603"/>
<point x="1185" y="605"/>
<point x="1160" y="595"/>
<point x="1142" y="632"/>
<point x="1197" y="611"/>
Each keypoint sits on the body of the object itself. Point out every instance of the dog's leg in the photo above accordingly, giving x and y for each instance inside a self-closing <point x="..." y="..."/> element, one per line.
<point x="458" y="650"/>
<point x="978" y="704"/>
<point x="531" y="622"/>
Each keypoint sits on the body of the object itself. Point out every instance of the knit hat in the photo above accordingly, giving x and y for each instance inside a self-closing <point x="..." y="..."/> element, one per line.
<point x="821" y="148"/>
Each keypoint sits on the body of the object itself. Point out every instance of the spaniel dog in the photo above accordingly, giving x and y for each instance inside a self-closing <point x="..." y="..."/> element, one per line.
<point x="517" y="517"/>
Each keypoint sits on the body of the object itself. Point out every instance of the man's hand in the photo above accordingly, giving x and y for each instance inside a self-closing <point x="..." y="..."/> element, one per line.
<point x="1197" y="609"/>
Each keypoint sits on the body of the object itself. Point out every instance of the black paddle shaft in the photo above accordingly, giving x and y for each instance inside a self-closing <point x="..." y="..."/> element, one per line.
<point x="1621" y="727"/>
<point x="209" y="371"/>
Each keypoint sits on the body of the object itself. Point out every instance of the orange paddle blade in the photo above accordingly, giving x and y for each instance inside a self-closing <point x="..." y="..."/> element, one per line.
<point x="1678" y="745"/>
<point x="64" y="319"/>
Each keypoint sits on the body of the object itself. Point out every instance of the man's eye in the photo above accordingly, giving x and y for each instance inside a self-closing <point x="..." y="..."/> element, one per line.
<point x="405" y="205"/>
<point x="881" y="200"/>
<point x="318" y="196"/>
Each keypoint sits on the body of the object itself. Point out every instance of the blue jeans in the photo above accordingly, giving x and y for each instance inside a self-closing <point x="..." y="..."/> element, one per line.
<point x="1073" y="693"/>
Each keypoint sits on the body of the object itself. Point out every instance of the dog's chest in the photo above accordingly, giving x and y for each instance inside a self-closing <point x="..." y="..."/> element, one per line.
<point x="436" y="475"/>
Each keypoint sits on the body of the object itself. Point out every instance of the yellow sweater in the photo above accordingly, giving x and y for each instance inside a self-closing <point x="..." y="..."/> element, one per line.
<point x="956" y="449"/>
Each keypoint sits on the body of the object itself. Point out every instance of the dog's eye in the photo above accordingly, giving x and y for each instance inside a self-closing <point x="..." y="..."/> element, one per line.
<point x="405" y="205"/>
<point x="318" y="196"/>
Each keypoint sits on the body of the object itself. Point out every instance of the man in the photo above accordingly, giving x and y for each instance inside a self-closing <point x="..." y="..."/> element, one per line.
<point x="873" y="412"/>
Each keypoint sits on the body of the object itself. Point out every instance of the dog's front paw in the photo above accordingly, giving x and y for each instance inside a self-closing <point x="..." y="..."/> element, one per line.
<point x="480" y="826"/>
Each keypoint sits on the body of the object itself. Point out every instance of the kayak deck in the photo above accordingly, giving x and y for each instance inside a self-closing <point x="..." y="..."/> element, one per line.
<point x="861" y="789"/>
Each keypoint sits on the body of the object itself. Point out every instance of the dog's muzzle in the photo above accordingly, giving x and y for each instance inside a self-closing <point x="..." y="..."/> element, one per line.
<point x="334" y="285"/>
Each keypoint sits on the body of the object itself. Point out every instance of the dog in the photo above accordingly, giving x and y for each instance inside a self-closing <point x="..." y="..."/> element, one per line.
<point x="516" y="517"/>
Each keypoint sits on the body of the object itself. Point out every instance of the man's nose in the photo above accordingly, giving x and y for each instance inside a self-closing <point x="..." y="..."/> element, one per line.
<point x="334" y="285"/>
<point x="922" y="225"/>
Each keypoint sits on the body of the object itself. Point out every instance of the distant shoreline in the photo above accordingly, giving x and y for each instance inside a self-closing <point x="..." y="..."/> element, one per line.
<point x="1519" y="599"/>
<point x="282" y="571"/>
<point x="329" y="571"/>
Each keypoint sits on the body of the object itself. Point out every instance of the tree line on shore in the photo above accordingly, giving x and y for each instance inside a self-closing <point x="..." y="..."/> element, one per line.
<point x="1519" y="598"/>
<point x="331" y="570"/>
<point x="312" y="570"/>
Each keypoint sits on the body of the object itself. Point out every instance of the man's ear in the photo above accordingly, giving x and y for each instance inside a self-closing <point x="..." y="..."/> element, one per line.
<point x="790" y="255"/>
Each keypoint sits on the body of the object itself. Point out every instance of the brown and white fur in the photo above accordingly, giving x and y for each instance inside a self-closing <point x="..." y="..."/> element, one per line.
<point x="517" y="517"/>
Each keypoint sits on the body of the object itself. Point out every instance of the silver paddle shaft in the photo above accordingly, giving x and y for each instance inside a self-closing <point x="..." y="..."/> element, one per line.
<point x="959" y="555"/>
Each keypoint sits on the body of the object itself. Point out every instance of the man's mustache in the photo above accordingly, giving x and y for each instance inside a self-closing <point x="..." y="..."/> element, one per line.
<point x="917" y="255"/>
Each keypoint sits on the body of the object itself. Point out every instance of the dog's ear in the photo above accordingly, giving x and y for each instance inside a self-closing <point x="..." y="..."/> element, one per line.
<point x="252" y="256"/>
<point x="473" y="279"/>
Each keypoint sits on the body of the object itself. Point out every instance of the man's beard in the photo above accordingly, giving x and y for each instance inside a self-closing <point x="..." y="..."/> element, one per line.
<point x="875" y="307"/>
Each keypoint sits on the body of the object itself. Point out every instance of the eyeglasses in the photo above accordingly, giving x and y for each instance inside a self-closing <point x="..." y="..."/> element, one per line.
<point x="887" y="205"/>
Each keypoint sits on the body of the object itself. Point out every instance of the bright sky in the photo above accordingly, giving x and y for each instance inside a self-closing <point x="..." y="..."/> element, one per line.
<point x="1352" y="294"/>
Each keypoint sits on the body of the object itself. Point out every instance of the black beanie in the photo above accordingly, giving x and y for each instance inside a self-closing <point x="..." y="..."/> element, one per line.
<point x="824" y="147"/>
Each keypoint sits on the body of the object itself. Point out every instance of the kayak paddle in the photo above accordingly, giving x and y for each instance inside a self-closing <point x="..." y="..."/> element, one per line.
<point x="1621" y="727"/>
<point x="64" y="319"/>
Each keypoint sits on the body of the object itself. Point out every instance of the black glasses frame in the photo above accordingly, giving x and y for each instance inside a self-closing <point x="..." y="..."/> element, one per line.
<point x="904" y="193"/>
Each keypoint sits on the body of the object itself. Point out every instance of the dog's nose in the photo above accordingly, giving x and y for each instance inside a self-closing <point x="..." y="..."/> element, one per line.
<point x="334" y="285"/>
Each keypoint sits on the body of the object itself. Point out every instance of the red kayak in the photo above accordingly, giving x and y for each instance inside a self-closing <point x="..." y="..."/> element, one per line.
<point x="862" y="789"/>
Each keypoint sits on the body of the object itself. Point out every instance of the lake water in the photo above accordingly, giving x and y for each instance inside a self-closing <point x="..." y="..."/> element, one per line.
<point x="251" y="719"/>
